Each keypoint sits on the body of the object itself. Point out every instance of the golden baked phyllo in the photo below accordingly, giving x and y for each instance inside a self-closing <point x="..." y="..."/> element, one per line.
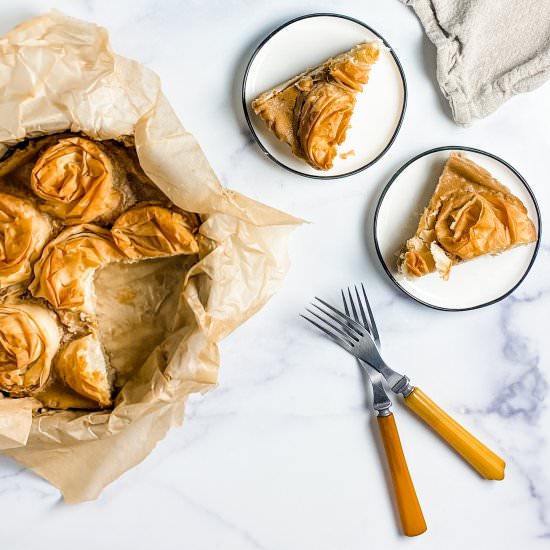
<point x="470" y="214"/>
<point x="149" y="230"/>
<point x="64" y="273"/>
<point x="23" y="233"/>
<point x="76" y="180"/>
<point x="311" y="112"/>
<point x="29" y="339"/>
<point x="82" y="366"/>
<point x="69" y="207"/>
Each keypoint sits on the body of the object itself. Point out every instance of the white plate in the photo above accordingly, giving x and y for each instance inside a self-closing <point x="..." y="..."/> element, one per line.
<point x="473" y="284"/>
<point x="306" y="42"/>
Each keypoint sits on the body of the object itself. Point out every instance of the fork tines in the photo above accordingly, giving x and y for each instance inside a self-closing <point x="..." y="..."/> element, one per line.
<point x="340" y="327"/>
<point x="345" y="329"/>
<point x="368" y="322"/>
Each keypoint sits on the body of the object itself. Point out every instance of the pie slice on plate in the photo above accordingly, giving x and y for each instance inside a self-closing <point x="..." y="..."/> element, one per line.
<point x="470" y="214"/>
<point x="311" y="112"/>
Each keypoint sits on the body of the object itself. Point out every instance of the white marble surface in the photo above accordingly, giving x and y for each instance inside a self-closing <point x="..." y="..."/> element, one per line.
<point x="284" y="454"/>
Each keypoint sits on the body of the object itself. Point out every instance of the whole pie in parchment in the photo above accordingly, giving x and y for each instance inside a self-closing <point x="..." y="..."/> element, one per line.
<point x="311" y="112"/>
<point x="70" y="206"/>
<point x="469" y="215"/>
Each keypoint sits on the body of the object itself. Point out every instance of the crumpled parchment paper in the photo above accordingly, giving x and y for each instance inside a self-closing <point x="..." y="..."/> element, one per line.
<point x="57" y="74"/>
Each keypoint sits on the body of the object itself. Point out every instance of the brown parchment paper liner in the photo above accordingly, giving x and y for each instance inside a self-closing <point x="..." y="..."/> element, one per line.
<point x="56" y="74"/>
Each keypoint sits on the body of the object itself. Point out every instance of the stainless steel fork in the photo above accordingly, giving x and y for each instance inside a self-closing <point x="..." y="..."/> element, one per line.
<point x="410" y="512"/>
<point x="381" y="402"/>
<point x="360" y="341"/>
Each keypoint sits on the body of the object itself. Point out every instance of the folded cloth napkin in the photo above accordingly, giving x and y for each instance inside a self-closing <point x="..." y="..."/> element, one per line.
<point x="487" y="50"/>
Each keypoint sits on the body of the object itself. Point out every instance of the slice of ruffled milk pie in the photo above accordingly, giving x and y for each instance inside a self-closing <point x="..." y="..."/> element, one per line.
<point x="470" y="214"/>
<point x="311" y="112"/>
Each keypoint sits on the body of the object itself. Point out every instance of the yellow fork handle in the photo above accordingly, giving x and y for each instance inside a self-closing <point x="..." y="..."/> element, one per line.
<point x="410" y="513"/>
<point x="487" y="463"/>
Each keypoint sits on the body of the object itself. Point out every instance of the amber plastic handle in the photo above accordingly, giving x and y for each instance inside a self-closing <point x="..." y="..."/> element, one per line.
<point x="410" y="513"/>
<point x="487" y="463"/>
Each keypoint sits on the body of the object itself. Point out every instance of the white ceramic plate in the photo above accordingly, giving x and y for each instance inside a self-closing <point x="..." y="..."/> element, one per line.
<point x="306" y="42"/>
<point x="473" y="284"/>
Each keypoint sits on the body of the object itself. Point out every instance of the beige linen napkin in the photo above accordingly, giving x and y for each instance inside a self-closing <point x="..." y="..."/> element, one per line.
<point x="487" y="50"/>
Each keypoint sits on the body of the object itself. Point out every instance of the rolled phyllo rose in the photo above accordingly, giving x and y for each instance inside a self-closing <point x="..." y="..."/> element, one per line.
<point x="324" y="110"/>
<point x="64" y="273"/>
<point x="467" y="225"/>
<point x="23" y="233"/>
<point x="29" y="339"/>
<point x="311" y="112"/>
<point x="322" y="122"/>
<point x="82" y="366"/>
<point x="472" y="224"/>
<point x="148" y="231"/>
<point x="75" y="179"/>
<point x="353" y="71"/>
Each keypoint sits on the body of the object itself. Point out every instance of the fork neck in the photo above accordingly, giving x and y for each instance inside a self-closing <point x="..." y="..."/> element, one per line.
<point x="403" y="386"/>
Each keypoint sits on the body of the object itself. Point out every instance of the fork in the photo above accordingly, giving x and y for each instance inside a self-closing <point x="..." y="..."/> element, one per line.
<point x="362" y="341"/>
<point x="410" y="512"/>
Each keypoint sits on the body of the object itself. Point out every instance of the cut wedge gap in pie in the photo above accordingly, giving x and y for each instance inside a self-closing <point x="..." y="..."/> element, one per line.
<point x="311" y="112"/>
<point x="470" y="214"/>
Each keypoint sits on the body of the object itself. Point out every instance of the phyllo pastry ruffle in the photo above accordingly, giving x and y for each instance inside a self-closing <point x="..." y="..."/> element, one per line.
<point x="82" y="366"/>
<point x="29" y="339"/>
<point x="470" y="214"/>
<point x="58" y="395"/>
<point x="149" y="231"/>
<point x="24" y="231"/>
<point x="64" y="273"/>
<point x="311" y="112"/>
<point x="75" y="179"/>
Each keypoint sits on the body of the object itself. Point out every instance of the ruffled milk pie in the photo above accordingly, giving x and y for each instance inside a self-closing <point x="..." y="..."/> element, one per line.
<point x="148" y="231"/>
<point x="470" y="214"/>
<point x="311" y="112"/>
<point x="64" y="273"/>
<point x="23" y="233"/>
<point x="29" y="339"/>
<point x="75" y="179"/>
<point x="51" y="188"/>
